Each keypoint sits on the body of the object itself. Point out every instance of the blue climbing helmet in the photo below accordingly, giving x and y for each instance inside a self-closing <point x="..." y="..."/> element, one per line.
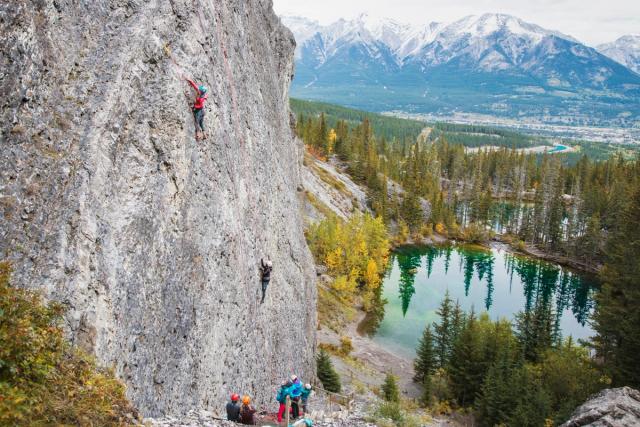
<point x="203" y="89"/>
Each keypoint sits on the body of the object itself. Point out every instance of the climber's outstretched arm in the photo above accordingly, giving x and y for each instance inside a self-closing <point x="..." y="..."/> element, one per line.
<point x="193" y="85"/>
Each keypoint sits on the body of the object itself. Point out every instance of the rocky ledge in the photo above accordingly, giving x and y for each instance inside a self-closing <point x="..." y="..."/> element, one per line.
<point x="618" y="407"/>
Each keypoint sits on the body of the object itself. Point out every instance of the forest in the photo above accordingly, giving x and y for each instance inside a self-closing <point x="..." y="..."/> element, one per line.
<point x="561" y="208"/>
<point x="517" y="374"/>
<point x="586" y="209"/>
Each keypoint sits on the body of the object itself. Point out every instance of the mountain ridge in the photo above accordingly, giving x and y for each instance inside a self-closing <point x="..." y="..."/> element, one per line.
<point x="625" y="50"/>
<point x="491" y="64"/>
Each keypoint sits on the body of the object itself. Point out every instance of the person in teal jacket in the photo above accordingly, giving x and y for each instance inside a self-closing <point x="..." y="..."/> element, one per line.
<point x="306" y="392"/>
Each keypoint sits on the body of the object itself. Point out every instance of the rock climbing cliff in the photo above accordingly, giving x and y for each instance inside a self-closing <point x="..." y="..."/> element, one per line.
<point x="151" y="238"/>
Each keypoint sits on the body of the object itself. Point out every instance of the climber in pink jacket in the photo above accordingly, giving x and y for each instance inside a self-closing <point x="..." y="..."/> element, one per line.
<point x="198" y="108"/>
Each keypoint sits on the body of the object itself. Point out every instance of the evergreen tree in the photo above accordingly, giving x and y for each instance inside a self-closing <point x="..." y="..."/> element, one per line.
<point x="497" y="399"/>
<point x="411" y="211"/>
<point x="322" y="135"/>
<point x="390" y="390"/>
<point x="427" y="385"/>
<point x="425" y="362"/>
<point x="532" y="407"/>
<point x="467" y="365"/>
<point x="591" y="241"/>
<point x="458" y="319"/>
<point x="617" y="315"/>
<point x="535" y="330"/>
<point x="556" y="216"/>
<point x="326" y="373"/>
<point x="443" y="332"/>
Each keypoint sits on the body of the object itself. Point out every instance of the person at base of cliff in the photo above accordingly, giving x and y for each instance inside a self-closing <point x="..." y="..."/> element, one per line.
<point x="247" y="412"/>
<point x="265" y="275"/>
<point x="198" y="108"/>
<point x="281" y="397"/>
<point x="295" y="392"/>
<point x="304" y="397"/>
<point x="233" y="409"/>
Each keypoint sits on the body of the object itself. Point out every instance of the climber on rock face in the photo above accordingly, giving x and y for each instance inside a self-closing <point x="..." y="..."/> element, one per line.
<point x="233" y="409"/>
<point x="198" y="108"/>
<point x="265" y="273"/>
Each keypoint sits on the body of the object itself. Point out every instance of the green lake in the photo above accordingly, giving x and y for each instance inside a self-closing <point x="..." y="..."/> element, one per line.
<point x="491" y="280"/>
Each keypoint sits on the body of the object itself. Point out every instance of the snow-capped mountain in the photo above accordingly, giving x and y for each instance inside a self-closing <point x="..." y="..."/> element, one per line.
<point x="492" y="63"/>
<point x="625" y="50"/>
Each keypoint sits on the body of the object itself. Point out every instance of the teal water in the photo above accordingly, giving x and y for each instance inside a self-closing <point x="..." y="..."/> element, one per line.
<point x="558" y="148"/>
<point x="490" y="280"/>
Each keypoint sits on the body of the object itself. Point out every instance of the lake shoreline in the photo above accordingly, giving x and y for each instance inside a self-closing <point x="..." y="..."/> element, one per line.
<point x="507" y="244"/>
<point x="537" y="253"/>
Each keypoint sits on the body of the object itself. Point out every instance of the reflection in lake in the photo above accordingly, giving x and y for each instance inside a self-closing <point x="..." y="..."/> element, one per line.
<point x="492" y="280"/>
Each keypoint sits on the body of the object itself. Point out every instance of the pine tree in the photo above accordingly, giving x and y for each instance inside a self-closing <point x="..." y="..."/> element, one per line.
<point x="556" y="216"/>
<point x="424" y="364"/>
<point x="535" y="330"/>
<point x="617" y="315"/>
<point x="467" y="366"/>
<point x="427" y="396"/>
<point x="322" y="135"/>
<point x="326" y="373"/>
<point x="390" y="390"/>
<point x="442" y="331"/>
<point x="411" y="211"/>
<point x="497" y="399"/>
<point x="458" y="319"/>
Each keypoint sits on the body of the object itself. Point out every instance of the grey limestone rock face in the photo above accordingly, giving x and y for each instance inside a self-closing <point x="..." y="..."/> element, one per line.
<point x="618" y="407"/>
<point x="151" y="238"/>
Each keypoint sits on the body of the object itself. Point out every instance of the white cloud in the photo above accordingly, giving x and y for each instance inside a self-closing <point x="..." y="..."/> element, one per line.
<point x="591" y="21"/>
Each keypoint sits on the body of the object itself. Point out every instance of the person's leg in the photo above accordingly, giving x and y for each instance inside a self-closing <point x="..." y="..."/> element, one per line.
<point x="196" y="116"/>
<point x="296" y="409"/>
<point x="304" y="406"/>
<point x="281" y="412"/>
<point x="201" y="124"/>
<point x="264" y="290"/>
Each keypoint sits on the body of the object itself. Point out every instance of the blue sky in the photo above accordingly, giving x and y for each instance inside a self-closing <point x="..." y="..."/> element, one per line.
<point x="591" y="21"/>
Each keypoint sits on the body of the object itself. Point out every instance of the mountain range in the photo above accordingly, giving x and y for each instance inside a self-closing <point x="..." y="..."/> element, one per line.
<point x="493" y="64"/>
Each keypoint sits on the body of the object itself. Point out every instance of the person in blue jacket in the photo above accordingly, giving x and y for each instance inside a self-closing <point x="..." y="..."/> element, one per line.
<point x="281" y="397"/>
<point x="295" y="392"/>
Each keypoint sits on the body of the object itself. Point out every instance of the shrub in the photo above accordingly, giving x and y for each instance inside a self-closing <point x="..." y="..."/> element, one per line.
<point x="390" y="391"/>
<point x="392" y="411"/>
<point x="346" y="346"/>
<point x="475" y="233"/>
<point x="326" y="373"/>
<point x="43" y="380"/>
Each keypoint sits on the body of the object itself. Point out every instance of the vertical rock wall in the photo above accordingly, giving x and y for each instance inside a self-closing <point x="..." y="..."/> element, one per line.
<point x="151" y="238"/>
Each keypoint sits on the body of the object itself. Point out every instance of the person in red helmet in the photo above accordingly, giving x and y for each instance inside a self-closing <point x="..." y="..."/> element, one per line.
<point x="233" y="408"/>
<point x="198" y="108"/>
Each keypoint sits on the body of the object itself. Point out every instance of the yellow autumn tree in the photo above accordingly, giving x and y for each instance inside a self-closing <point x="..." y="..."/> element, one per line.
<point x="372" y="276"/>
<point x="356" y="252"/>
<point x="331" y="141"/>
